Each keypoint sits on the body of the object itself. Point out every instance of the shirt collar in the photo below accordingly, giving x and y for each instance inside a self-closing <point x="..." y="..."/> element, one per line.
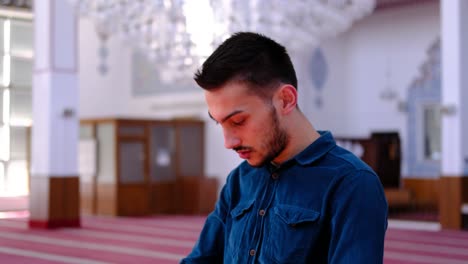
<point x="311" y="153"/>
<point x="316" y="149"/>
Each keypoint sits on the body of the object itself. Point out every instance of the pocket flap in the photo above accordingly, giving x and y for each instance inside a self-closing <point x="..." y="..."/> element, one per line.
<point x="241" y="208"/>
<point x="293" y="215"/>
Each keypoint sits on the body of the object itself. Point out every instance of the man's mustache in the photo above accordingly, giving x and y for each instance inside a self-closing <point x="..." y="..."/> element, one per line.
<point x="242" y="148"/>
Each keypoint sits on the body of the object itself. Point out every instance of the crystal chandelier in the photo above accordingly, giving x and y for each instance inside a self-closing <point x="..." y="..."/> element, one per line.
<point x="177" y="35"/>
<point x="297" y="24"/>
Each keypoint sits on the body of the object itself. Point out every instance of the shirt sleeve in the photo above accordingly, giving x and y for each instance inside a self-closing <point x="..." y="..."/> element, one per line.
<point x="210" y="245"/>
<point x="358" y="220"/>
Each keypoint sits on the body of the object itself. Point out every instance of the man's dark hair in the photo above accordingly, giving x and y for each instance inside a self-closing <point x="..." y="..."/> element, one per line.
<point x="248" y="57"/>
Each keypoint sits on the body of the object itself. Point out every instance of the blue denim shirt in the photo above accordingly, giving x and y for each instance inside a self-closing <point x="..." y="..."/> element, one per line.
<point x="323" y="206"/>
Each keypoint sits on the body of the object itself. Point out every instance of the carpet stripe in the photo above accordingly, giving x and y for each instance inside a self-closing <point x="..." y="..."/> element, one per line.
<point x="442" y="233"/>
<point x="145" y="230"/>
<point x="413" y="225"/>
<point x="427" y="248"/>
<point x="414" y="258"/>
<point x="45" y="256"/>
<point x="186" y="223"/>
<point x="108" y="240"/>
<point x="133" y="238"/>
<point x="85" y="232"/>
<point x="17" y="259"/>
<point x="430" y="239"/>
<point x="94" y="254"/>
<point x="92" y="246"/>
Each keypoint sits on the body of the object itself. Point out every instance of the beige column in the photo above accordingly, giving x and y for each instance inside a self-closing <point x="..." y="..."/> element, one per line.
<point x="54" y="192"/>
<point x="454" y="169"/>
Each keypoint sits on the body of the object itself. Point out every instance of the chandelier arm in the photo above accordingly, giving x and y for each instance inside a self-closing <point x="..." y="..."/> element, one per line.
<point x="164" y="30"/>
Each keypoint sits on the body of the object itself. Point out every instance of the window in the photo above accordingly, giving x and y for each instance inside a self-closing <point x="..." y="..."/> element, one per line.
<point x="16" y="64"/>
<point x="432" y="132"/>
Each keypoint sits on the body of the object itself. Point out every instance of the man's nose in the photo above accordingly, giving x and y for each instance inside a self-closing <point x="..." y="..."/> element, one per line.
<point x="231" y="141"/>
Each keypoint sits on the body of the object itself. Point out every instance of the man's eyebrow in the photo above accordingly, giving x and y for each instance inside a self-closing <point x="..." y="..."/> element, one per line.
<point x="212" y="117"/>
<point x="226" y="117"/>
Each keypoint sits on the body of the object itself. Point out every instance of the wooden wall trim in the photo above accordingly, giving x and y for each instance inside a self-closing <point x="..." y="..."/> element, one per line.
<point x="133" y="200"/>
<point x="424" y="192"/>
<point x="97" y="121"/>
<point x="106" y="199"/>
<point x="451" y="195"/>
<point x="55" y="201"/>
<point x="87" y="198"/>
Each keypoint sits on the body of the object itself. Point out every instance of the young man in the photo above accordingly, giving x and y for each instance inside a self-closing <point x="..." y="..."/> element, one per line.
<point x="297" y="197"/>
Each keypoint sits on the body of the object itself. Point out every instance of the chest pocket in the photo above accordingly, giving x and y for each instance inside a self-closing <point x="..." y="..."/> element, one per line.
<point x="240" y="227"/>
<point x="293" y="231"/>
<point x="241" y="209"/>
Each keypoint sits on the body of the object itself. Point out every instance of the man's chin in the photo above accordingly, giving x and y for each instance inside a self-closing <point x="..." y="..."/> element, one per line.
<point x="256" y="163"/>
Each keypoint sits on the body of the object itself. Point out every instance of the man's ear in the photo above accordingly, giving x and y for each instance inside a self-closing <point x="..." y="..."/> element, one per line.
<point x="286" y="98"/>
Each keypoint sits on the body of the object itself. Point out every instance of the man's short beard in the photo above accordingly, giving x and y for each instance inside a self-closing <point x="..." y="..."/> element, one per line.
<point x="276" y="141"/>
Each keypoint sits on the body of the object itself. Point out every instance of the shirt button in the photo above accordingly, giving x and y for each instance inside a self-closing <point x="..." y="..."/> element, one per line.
<point x="275" y="176"/>
<point x="261" y="212"/>
<point x="252" y="252"/>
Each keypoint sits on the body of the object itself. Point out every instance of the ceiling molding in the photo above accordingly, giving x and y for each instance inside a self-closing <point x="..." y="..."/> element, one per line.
<point x="24" y="4"/>
<point x="19" y="9"/>
<point x="387" y="4"/>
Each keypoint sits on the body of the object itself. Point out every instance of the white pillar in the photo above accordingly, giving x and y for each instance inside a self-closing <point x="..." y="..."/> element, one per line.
<point x="54" y="195"/>
<point x="454" y="84"/>
<point x="454" y="36"/>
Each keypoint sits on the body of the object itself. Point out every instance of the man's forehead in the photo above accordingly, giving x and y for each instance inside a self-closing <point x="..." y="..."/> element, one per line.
<point x="224" y="101"/>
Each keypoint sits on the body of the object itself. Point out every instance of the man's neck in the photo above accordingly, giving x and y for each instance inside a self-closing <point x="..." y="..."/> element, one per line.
<point x="301" y="135"/>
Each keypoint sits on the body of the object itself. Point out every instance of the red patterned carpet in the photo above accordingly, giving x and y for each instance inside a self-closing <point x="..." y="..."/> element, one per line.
<point x="166" y="239"/>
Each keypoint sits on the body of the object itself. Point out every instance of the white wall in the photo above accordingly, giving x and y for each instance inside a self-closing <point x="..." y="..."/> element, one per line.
<point x="386" y="48"/>
<point x="392" y="43"/>
<point x="357" y="62"/>
<point x="464" y="94"/>
<point x="101" y="95"/>
<point x="400" y="38"/>
<point x="331" y="116"/>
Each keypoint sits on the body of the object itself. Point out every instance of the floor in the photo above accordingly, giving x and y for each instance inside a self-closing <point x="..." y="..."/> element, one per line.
<point x="166" y="239"/>
<point x="414" y="214"/>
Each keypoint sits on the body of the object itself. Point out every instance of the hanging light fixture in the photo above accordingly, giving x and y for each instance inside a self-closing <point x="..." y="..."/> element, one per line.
<point x="297" y="24"/>
<point x="177" y="35"/>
